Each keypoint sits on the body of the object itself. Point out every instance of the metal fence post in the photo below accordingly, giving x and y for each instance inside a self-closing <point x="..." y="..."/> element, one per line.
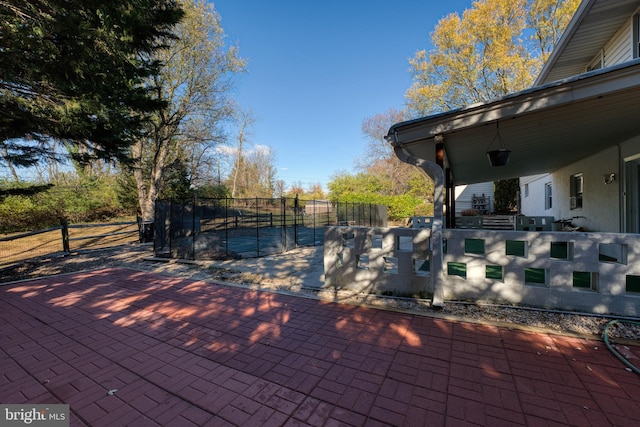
<point x="226" y="226"/>
<point x="295" y="220"/>
<point x="353" y="211"/>
<point x="257" y="228"/>
<point x="193" y="228"/>
<point x="171" y="230"/>
<point x="315" y="212"/>
<point x="283" y="221"/>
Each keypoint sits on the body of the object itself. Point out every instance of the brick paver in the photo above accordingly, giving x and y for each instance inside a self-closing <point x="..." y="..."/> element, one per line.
<point x="123" y="347"/>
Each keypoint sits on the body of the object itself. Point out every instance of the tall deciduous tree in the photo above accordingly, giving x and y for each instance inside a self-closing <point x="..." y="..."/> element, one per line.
<point x="315" y="192"/>
<point x="381" y="162"/>
<point x="74" y="70"/>
<point x="254" y="173"/>
<point x="495" y="48"/>
<point x="194" y="82"/>
<point x="246" y="121"/>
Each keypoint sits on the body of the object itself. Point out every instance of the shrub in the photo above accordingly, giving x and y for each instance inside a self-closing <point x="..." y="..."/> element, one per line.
<point x="506" y="196"/>
<point x="398" y="207"/>
<point x="423" y="209"/>
<point x="82" y="201"/>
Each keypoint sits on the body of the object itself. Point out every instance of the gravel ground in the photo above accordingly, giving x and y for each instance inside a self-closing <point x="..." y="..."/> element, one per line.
<point x="292" y="281"/>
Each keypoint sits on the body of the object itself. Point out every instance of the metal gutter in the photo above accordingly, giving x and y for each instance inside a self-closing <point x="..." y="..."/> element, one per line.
<point x="436" y="173"/>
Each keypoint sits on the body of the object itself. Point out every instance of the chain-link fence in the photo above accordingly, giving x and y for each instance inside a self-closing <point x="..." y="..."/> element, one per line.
<point x="229" y="228"/>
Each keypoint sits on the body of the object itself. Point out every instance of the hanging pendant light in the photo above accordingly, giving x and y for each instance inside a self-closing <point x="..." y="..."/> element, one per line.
<point x="498" y="156"/>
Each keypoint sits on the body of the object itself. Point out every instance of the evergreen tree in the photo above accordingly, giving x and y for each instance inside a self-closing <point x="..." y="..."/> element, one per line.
<point x="77" y="70"/>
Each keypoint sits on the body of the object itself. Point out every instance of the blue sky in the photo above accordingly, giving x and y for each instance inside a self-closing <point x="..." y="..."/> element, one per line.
<point x="317" y="69"/>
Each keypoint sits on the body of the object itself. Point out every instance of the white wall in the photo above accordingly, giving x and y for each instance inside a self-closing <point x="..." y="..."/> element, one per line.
<point x="532" y="195"/>
<point x="601" y="203"/>
<point x="464" y="194"/>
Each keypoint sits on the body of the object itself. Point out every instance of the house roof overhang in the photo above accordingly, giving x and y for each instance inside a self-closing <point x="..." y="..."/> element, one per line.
<point x="545" y="127"/>
<point x="593" y="24"/>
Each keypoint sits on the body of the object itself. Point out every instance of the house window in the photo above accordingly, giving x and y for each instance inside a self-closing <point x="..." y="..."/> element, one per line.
<point x="547" y="196"/>
<point x="577" y="183"/>
<point x="526" y="190"/>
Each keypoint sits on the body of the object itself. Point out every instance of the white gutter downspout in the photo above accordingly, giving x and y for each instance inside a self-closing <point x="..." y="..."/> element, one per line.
<point x="436" y="173"/>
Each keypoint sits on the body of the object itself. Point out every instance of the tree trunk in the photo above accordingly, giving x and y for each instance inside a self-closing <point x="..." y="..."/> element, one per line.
<point x="149" y="186"/>
<point x="14" y="173"/>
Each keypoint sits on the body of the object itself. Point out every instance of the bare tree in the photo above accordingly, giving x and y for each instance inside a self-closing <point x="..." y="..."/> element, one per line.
<point x="195" y="82"/>
<point x="246" y="121"/>
<point x="380" y="161"/>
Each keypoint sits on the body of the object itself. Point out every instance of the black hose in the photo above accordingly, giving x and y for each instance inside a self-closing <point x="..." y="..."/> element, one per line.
<point x="613" y="350"/>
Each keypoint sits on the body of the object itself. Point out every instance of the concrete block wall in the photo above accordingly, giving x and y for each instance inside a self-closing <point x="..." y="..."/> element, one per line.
<point x="378" y="260"/>
<point x="588" y="272"/>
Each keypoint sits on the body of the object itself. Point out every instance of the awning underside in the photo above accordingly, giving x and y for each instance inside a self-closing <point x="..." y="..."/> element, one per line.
<point x="544" y="132"/>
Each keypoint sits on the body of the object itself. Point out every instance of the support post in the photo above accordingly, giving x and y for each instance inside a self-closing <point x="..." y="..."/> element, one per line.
<point x="437" y="175"/>
<point x="450" y="221"/>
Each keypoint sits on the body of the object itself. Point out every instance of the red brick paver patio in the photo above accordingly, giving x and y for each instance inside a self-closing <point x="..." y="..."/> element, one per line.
<point x="123" y="347"/>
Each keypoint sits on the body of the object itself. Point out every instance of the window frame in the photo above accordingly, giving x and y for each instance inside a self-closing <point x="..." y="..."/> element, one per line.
<point x="576" y="191"/>
<point x="548" y="196"/>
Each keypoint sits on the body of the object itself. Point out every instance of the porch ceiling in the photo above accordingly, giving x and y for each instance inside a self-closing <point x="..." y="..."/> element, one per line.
<point x="545" y="128"/>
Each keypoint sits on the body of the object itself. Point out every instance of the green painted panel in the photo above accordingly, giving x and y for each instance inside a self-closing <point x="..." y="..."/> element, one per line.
<point x="582" y="279"/>
<point x="515" y="247"/>
<point x="474" y="246"/>
<point x="559" y="250"/>
<point x="494" y="272"/>
<point x="535" y="275"/>
<point x="457" y="269"/>
<point x="633" y="283"/>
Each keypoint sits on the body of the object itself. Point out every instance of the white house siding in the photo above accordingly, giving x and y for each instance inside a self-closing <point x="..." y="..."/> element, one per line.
<point x="601" y="202"/>
<point x="532" y="201"/>
<point x="464" y="195"/>
<point x="620" y="48"/>
<point x="630" y="155"/>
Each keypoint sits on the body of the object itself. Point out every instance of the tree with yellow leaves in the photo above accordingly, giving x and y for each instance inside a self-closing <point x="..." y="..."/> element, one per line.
<point x="496" y="47"/>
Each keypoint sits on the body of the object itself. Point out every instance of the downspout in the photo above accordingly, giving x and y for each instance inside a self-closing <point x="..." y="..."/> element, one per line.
<point x="436" y="173"/>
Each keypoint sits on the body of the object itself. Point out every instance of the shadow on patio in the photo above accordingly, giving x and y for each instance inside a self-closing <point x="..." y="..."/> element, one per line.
<point x="126" y="347"/>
